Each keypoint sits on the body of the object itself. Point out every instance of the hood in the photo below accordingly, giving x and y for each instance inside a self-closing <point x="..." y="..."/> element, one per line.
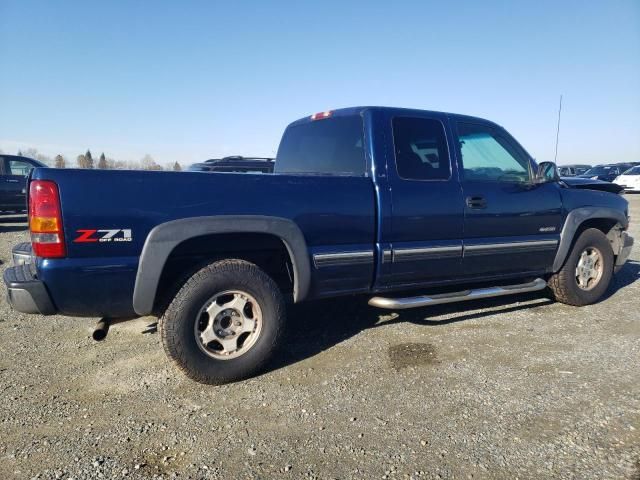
<point x="588" y="183"/>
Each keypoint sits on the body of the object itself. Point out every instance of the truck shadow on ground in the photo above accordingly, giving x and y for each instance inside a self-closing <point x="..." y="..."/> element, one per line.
<point x="316" y="326"/>
<point x="625" y="277"/>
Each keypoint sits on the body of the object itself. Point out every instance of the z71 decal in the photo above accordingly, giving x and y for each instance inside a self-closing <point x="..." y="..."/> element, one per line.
<point x="107" y="235"/>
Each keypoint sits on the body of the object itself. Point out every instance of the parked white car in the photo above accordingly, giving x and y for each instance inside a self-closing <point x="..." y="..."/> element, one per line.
<point x="630" y="180"/>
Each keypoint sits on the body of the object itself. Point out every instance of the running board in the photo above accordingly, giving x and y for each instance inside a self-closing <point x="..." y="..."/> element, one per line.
<point x="425" y="300"/>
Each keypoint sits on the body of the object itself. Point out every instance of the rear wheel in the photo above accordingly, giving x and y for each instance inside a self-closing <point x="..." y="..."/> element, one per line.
<point x="586" y="274"/>
<point x="225" y="323"/>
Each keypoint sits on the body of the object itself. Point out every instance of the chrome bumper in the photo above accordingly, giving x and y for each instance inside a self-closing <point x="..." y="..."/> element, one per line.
<point x="25" y="293"/>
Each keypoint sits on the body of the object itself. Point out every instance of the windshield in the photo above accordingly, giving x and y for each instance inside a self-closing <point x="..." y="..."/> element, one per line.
<point x="633" y="171"/>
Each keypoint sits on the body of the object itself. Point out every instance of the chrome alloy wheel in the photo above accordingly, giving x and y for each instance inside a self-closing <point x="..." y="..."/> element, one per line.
<point x="590" y="268"/>
<point x="228" y="325"/>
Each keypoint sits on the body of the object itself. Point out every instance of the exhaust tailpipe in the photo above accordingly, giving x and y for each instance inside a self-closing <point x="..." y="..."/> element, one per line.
<point x="101" y="330"/>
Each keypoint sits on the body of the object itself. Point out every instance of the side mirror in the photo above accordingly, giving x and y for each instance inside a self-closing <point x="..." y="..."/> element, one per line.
<point x="547" y="173"/>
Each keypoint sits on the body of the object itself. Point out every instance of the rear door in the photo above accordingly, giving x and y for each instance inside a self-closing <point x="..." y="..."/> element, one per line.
<point x="422" y="238"/>
<point x="511" y="225"/>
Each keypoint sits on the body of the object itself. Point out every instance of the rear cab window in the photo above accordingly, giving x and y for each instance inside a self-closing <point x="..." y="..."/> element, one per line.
<point x="329" y="146"/>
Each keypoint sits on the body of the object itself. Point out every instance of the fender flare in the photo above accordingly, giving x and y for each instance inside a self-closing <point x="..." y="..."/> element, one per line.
<point x="165" y="237"/>
<point x="577" y="217"/>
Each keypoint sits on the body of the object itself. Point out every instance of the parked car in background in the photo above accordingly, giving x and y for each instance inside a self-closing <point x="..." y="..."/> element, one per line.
<point x="630" y="180"/>
<point x="572" y="170"/>
<point x="235" y="163"/>
<point x="14" y="170"/>
<point x="608" y="173"/>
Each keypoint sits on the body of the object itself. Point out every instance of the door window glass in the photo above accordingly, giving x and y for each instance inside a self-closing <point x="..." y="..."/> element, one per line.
<point x="488" y="156"/>
<point x="421" y="149"/>
<point x="18" y="167"/>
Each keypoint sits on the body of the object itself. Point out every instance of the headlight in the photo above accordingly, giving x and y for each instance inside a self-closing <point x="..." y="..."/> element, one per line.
<point x="594" y="178"/>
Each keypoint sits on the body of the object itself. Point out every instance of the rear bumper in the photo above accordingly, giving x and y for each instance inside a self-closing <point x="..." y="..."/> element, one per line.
<point x="25" y="293"/>
<point x="21" y="253"/>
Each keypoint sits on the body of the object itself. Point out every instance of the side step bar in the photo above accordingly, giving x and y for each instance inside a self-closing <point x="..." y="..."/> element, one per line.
<point x="426" y="300"/>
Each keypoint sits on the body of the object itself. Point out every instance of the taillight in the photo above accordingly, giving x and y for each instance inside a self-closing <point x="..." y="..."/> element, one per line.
<point x="45" y="219"/>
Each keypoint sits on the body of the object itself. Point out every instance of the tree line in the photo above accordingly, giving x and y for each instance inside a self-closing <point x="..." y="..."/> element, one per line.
<point x="86" y="160"/>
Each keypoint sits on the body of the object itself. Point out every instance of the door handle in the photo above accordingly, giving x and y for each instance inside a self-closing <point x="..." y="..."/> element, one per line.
<point x="476" y="202"/>
<point x="11" y="180"/>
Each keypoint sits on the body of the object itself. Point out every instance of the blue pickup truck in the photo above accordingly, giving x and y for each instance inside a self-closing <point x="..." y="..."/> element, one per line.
<point x="370" y="200"/>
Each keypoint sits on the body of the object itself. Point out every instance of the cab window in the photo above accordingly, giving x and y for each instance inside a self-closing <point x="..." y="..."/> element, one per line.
<point x="17" y="167"/>
<point x="420" y="149"/>
<point x="487" y="155"/>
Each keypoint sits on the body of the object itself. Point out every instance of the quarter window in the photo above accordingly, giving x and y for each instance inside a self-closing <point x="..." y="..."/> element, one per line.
<point x="489" y="156"/>
<point x="421" y="149"/>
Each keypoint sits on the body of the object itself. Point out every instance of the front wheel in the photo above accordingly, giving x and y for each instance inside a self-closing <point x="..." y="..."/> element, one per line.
<point x="586" y="274"/>
<point x="225" y="323"/>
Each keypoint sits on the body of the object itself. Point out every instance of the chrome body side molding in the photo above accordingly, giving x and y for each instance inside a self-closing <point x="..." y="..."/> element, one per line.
<point x="427" y="253"/>
<point x="510" y="247"/>
<point x="342" y="258"/>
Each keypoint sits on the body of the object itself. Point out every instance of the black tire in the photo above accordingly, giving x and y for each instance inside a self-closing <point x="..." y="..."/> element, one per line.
<point x="177" y="325"/>
<point x="564" y="283"/>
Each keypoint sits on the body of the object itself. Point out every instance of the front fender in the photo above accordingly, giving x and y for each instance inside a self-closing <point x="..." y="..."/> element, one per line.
<point x="577" y="217"/>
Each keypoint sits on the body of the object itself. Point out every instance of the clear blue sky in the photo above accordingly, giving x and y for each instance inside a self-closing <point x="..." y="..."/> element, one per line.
<point x="191" y="80"/>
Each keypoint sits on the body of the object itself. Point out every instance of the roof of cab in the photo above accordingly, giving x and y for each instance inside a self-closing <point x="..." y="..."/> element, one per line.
<point x="344" y="112"/>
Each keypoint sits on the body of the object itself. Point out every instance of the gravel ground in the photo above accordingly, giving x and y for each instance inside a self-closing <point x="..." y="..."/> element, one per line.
<point x="515" y="387"/>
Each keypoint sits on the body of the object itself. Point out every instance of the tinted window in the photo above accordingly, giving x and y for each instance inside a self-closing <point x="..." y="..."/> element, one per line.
<point x="328" y="146"/>
<point x="421" y="149"/>
<point x="633" y="171"/>
<point x="489" y="156"/>
<point x="18" y="167"/>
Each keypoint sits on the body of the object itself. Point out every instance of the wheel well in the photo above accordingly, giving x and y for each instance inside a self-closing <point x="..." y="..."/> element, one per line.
<point x="610" y="227"/>
<point x="267" y="251"/>
<point x="605" y="225"/>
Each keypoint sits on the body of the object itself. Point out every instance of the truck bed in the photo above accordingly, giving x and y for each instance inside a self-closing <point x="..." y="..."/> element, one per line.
<point x="333" y="212"/>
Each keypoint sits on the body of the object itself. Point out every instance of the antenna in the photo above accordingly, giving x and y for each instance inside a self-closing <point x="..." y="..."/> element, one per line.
<point x="555" y="158"/>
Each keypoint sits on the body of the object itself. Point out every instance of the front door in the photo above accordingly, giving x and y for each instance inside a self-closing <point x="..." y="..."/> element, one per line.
<point x="422" y="237"/>
<point x="511" y="224"/>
